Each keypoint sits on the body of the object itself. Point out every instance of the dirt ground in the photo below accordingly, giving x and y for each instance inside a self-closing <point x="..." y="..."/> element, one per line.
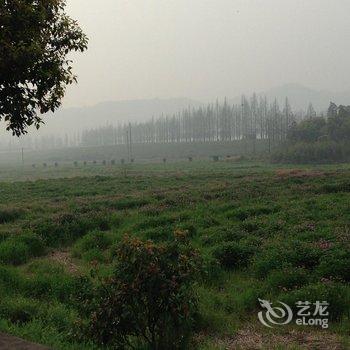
<point x="250" y="339"/>
<point x="8" y="342"/>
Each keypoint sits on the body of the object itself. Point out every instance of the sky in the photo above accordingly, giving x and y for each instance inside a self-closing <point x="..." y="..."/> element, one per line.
<point x="207" y="49"/>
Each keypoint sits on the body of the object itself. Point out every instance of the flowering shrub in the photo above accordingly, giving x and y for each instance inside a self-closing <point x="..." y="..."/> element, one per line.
<point x="149" y="299"/>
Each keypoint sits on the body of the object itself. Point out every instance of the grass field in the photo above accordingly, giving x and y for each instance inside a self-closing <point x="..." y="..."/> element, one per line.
<point x="265" y="231"/>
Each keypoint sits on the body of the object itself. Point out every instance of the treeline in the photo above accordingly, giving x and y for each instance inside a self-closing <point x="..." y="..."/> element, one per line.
<point x="29" y="142"/>
<point x="254" y="118"/>
<point x="319" y="139"/>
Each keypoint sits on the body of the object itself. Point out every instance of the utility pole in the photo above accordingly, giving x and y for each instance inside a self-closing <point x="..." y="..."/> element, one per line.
<point x="22" y="153"/>
<point x="130" y="143"/>
<point x="127" y="144"/>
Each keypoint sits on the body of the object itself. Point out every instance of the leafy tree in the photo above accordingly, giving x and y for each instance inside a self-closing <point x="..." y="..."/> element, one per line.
<point x="339" y="124"/>
<point x="311" y="113"/>
<point x="332" y="110"/>
<point x="309" y="130"/>
<point x="35" y="38"/>
<point x="148" y="299"/>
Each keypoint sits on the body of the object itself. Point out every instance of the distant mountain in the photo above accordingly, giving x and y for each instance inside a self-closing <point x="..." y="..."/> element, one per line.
<point x="76" y="119"/>
<point x="73" y="120"/>
<point x="300" y="96"/>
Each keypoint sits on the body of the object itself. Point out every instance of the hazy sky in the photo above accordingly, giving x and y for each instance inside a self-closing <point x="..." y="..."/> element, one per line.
<point x="205" y="49"/>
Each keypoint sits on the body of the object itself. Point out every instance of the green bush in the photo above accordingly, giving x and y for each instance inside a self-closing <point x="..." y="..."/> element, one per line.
<point x="94" y="255"/>
<point x="285" y="254"/>
<point x="245" y="213"/>
<point x="34" y="242"/>
<point x="96" y="240"/>
<point x="149" y="298"/>
<point x="67" y="228"/>
<point x="336" y="294"/>
<point x="12" y="252"/>
<point x="313" y="152"/>
<point x="335" y="264"/>
<point x="19" y="309"/>
<point x="17" y="250"/>
<point x="10" y="279"/>
<point x="60" y="316"/>
<point x="287" y="279"/>
<point x="10" y="215"/>
<point x="233" y="255"/>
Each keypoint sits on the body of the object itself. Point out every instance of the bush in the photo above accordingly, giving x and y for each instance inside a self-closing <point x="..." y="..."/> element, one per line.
<point x="287" y="279"/>
<point x="34" y="243"/>
<point x="336" y="294"/>
<point x="94" y="255"/>
<point x="335" y="264"/>
<point x="17" y="250"/>
<point x="233" y="255"/>
<point x="286" y="254"/>
<point x="149" y="298"/>
<point x="9" y="215"/>
<point x="320" y="152"/>
<point x="245" y="213"/>
<point x="19" y="310"/>
<point x="12" y="252"/>
<point x="67" y="228"/>
<point x="96" y="240"/>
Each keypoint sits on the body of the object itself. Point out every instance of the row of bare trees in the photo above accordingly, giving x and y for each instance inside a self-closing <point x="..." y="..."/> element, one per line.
<point x="254" y="118"/>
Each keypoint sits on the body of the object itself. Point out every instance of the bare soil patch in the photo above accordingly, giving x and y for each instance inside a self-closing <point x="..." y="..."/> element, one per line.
<point x="298" y="173"/>
<point x="64" y="258"/>
<point x="8" y="342"/>
<point x="250" y="339"/>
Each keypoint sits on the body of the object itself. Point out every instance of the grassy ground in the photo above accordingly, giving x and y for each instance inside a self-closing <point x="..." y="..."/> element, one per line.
<point x="265" y="231"/>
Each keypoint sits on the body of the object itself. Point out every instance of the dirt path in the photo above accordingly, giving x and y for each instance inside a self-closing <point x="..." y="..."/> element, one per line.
<point x="8" y="342"/>
<point x="250" y="339"/>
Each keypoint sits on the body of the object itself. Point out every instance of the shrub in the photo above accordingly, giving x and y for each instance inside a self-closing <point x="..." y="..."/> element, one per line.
<point x="10" y="279"/>
<point x="34" y="243"/>
<point x="245" y="213"/>
<point x="320" y="152"/>
<point x="93" y="255"/>
<point x="148" y="299"/>
<point x="61" y="317"/>
<point x="336" y="294"/>
<point x="287" y="279"/>
<point x="10" y="215"/>
<point x="94" y="240"/>
<point x="286" y="254"/>
<point x="12" y="252"/>
<point x="233" y="255"/>
<point x="68" y="227"/>
<point x="19" y="310"/>
<point x="335" y="264"/>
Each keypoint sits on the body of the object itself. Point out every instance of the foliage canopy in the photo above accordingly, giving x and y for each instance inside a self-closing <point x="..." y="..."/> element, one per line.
<point x="35" y="38"/>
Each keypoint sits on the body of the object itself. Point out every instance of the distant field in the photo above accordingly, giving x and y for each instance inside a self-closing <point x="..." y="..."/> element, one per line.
<point x="141" y="152"/>
<point x="265" y="231"/>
